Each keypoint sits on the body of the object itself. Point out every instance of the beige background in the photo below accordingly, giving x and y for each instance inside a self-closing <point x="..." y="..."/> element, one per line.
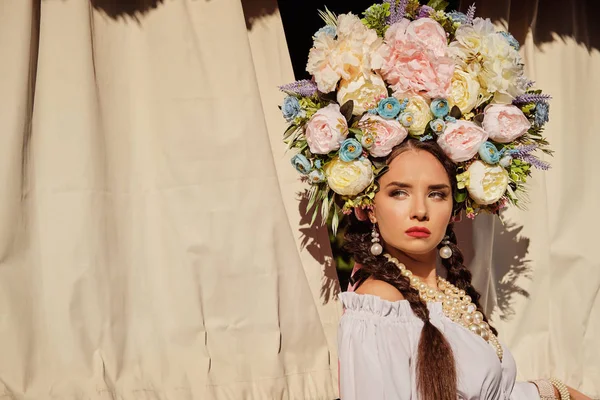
<point x="151" y="245"/>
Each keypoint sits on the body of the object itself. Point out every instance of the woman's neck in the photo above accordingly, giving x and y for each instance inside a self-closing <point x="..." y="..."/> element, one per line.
<point x="422" y="266"/>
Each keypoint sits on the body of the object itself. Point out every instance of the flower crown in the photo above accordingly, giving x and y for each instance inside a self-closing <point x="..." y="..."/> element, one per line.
<point x="411" y="70"/>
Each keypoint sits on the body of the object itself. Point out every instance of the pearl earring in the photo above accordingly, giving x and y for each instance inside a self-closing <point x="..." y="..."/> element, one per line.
<point x="446" y="251"/>
<point x="376" y="248"/>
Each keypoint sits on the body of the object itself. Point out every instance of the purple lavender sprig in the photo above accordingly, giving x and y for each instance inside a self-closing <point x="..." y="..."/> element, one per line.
<point x="532" y="98"/>
<point x="524" y="153"/>
<point x="396" y="11"/>
<point x="471" y="14"/>
<point x="304" y="87"/>
<point x="425" y="11"/>
<point x="536" y="162"/>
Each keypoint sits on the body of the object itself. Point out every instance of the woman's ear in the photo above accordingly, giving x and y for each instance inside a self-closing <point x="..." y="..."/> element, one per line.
<point x="372" y="217"/>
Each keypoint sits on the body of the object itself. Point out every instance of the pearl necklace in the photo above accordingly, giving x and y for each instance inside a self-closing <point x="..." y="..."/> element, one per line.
<point x="456" y="305"/>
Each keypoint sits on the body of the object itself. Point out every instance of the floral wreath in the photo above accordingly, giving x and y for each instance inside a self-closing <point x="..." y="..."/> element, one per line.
<point x="411" y="70"/>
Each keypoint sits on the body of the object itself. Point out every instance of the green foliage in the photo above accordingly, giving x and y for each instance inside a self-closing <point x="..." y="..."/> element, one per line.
<point x="375" y="18"/>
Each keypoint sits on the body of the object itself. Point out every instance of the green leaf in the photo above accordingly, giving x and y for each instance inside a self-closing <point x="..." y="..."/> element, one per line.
<point x="356" y="131"/>
<point x="335" y="221"/>
<point x="438" y="5"/>
<point x="314" y="217"/>
<point x="328" y="17"/>
<point x="346" y="109"/>
<point x="460" y="196"/>
<point x="455" y="112"/>
<point x="325" y="209"/>
<point x="313" y="197"/>
<point x="291" y="129"/>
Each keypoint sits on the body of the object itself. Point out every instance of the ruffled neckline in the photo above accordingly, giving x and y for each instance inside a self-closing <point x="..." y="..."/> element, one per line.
<point x="371" y="304"/>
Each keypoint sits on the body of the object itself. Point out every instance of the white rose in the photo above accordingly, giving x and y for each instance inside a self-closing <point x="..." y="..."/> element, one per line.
<point x="487" y="183"/>
<point x="464" y="91"/>
<point x="364" y="91"/>
<point x="349" y="178"/>
<point x="419" y="108"/>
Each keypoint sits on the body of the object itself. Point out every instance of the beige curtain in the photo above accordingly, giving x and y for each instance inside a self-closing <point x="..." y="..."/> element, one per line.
<point x="151" y="245"/>
<point x="539" y="271"/>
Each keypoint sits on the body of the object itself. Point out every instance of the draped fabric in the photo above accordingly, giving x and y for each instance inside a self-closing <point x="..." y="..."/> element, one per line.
<point x="151" y="244"/>
<point x="538" y="270"/>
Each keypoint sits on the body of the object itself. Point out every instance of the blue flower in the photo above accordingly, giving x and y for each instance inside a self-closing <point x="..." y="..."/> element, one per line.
<point x="350" y="150"/>
<point x="318" y="164"/>
<point x="438" y="126"/>
<point x="301" y="164"/>
<point x="329" y="30"/>
<point x="510" y="39"/>
<point x="489" y="153"/>
<point x="406" y="119"/>
<point x="450" y="119"/>
<point x="290" y="108"/>
<point x="316" y="176"/>
<point x="439" y="108"/>
<point x="456" y="16"/>
<point x="367" y="140"/>
<point x="541" y="113"/>
<point x="389" y="107"/>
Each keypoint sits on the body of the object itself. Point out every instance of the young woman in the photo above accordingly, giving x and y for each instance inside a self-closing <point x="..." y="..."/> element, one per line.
<point x="412" y="116"/>
<point x="406" y="332"/>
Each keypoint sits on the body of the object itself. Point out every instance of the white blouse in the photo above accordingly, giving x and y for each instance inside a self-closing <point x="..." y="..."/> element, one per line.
<point x="378" y="342"/>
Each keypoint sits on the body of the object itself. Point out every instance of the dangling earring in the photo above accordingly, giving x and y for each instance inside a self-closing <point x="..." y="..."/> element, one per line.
<point x="446" y="251"/>
<point x="376" y="248"/>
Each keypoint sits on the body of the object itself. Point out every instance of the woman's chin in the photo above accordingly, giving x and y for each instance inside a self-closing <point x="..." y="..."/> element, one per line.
<point x="419" y="248"/>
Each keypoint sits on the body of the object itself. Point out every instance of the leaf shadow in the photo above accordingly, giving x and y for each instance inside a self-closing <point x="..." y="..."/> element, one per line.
<point x="315" y="239"/>
<point x="509" y="264"/>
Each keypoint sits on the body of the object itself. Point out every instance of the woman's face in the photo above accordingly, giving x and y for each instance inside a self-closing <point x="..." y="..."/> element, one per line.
<point x="413" y="206"/>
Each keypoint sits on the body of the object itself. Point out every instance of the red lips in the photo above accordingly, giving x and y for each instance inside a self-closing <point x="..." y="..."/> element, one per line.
<point x="418" y="232"/>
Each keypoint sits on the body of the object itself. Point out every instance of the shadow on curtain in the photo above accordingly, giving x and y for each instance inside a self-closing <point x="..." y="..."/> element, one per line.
<point x="122" y="8"/>
<point x="554" y="18"/>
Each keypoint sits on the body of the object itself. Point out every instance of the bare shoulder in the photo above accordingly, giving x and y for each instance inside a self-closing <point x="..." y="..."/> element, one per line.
<point x="380" y="289"/>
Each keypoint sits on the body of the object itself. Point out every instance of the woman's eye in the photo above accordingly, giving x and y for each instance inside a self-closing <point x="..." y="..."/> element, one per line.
<point x="438" y="195"/>
<point x="398" y="193"/>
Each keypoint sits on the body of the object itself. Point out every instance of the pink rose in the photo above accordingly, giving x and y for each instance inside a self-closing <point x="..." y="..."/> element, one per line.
<point x="504" y="122"/>
<point x="429" y="34"/>
<point x="386" y="133"/>
<point x="326" y="130"/>
<point x="413" y="64"/>
<point x="461" y="140"/>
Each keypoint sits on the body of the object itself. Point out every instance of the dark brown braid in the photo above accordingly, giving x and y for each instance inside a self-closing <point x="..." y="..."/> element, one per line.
<point x="436" y="369"/>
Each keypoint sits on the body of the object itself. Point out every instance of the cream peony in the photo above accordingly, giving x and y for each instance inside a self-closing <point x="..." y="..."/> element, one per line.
<point x="386" y="133"/>
<point x="348" y="55"/>
<point x="504" y="123"/>
<point x="479" y="49"/>
<point x="364" y="90"/>
<point x="464" y="91"/>
<point x="326" y="130"/>
<point x="487" y="183"/>
<point x="461" y="140"/>
<point x="419" y="108"/>
<point x="349" y="178"/>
